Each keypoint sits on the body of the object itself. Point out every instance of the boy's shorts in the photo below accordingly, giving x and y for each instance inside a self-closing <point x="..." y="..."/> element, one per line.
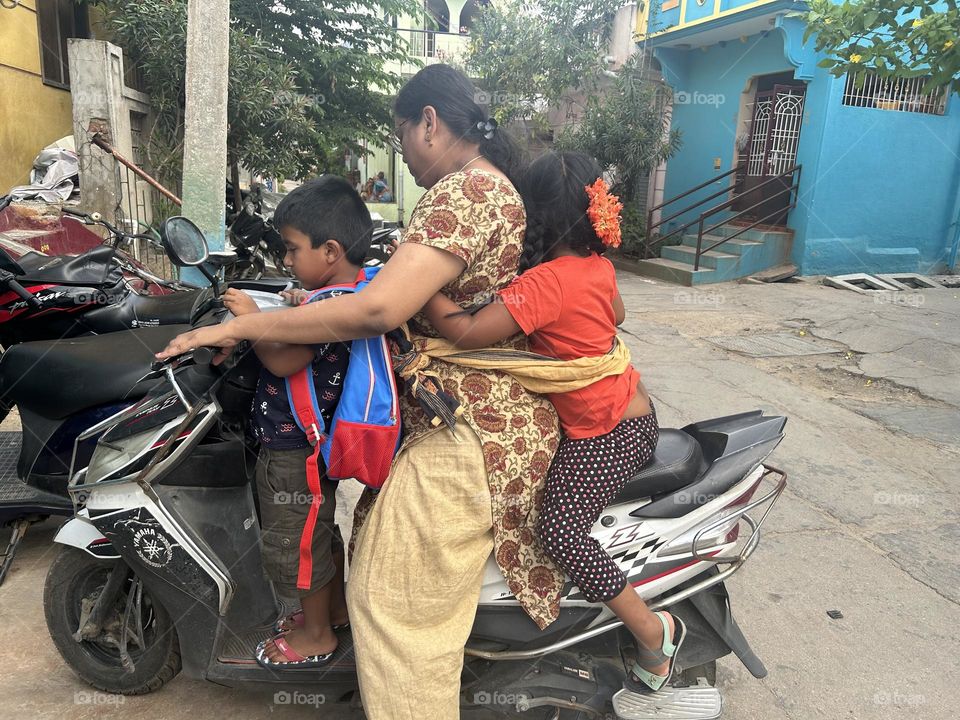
<point x="284" y="504"/>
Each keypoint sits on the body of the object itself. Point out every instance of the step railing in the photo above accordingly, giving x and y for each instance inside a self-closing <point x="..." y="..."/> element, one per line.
<point x="792" y="191"/>
<point x="651" y="225"/>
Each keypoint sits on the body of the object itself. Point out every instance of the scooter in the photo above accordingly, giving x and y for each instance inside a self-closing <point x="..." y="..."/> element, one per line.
<point x="160" y="569"/>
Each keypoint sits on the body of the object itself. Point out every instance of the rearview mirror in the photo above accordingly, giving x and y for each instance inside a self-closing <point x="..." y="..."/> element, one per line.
<point x="183" y="241"/>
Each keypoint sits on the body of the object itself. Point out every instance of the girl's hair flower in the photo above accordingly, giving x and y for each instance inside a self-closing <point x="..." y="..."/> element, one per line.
<point x="604" y="212"/>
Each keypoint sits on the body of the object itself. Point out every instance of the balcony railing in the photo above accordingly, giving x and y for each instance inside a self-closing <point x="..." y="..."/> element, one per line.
<point x="434" y="44"/>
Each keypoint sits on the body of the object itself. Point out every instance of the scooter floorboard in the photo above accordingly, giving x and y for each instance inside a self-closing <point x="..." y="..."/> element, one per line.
<point x="239" y="651"/>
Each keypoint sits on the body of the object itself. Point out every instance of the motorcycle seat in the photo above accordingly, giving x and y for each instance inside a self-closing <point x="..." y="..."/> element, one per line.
<point x="677" y="462"/>
<point x="93" y="268"/>
<point x="171" y="309"/>
<point x="57" y="378"/>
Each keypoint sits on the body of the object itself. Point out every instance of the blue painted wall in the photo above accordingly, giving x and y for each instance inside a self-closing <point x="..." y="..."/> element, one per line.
<point x="707" y="88"/>
<point x="884" y="191"/>
<point x="694" y="11"/>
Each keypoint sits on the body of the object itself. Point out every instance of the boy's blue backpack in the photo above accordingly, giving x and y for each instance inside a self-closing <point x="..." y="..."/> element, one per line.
<point x="364" y="433"/>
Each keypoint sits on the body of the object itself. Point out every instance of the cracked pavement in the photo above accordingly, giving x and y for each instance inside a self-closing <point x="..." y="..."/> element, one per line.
<point x="867" y="525"/>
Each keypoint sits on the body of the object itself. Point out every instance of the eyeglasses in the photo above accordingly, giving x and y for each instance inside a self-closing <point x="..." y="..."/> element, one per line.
<point x="396" y="141"/>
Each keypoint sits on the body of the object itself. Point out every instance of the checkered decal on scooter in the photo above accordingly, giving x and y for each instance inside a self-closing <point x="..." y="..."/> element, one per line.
<point x="631" y="562"/>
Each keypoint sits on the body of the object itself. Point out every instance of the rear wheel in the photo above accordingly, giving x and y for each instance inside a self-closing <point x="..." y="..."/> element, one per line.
<point x="74" y="582"/>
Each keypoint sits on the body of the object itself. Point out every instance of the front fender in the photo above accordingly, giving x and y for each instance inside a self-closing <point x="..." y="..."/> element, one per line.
<point x="79" y="532"/>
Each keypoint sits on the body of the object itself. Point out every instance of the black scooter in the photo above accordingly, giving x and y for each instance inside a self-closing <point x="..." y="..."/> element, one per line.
<point x="160" y="569"/>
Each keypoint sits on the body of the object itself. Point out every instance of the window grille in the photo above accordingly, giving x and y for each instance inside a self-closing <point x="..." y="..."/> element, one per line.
<point x="897" y="94"/>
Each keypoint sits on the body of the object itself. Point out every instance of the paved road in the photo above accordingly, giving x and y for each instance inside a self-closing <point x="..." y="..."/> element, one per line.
<point x="868" y="526"/>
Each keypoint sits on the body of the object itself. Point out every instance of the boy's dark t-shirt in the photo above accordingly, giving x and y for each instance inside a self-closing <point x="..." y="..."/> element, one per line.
<point x="273" y="419"/>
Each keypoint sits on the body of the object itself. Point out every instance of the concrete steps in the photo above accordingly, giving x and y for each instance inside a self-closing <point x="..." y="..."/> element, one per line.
<point x="749" y="253"/>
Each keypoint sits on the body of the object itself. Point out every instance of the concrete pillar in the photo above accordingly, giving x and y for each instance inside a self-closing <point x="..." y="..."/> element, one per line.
<point x="205" y="119"/>
<point x="102" y="103"/>
<point x="96" y="79"/>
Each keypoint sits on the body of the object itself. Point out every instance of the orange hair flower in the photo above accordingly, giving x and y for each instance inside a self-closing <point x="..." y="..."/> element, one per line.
<point x="604" y="212"/>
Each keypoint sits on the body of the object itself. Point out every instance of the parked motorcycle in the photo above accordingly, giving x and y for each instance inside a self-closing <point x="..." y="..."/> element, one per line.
<point x="62" y="376"/>
<point x="160" y="569"/>
<point x="98" y="291"/>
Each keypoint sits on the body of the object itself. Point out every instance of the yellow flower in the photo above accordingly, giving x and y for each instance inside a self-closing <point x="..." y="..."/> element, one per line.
<point x="948" y="44"/>
<point x="856" y="58"/>
<point x="917" y="22"/>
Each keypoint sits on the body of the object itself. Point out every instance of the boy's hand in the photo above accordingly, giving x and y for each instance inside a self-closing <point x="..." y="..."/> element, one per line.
<point x="295" y="297"/>
<point x="239" y="303"/>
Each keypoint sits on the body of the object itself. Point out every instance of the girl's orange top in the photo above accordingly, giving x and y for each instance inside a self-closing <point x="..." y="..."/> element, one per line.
<point x="565" y="306"/>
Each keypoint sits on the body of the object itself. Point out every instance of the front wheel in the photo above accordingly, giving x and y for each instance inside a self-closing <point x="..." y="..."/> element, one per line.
<point x="151" y="653"/>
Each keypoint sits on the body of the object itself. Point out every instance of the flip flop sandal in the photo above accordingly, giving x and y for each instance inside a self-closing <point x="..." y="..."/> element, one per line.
<point x="644" y="682"/>
<point x="293" y="658"/>
<point x="296" y="619"/>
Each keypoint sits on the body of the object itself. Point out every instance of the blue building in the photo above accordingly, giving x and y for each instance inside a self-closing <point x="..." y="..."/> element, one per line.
<point x="835" y="175"/>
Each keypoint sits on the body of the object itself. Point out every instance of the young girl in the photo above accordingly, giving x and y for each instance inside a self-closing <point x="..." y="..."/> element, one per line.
<point x="566" y="300"/>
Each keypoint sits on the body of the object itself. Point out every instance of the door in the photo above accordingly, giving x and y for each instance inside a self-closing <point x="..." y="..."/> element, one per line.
<point x="771" y="150"/>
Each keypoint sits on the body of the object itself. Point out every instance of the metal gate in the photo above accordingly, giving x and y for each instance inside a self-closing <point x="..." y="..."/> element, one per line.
<point x="772" y="149"/>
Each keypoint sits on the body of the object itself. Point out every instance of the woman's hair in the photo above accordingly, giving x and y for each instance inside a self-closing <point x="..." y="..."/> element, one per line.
<point x="555" y="198"/>
<point x="453" y="96"/>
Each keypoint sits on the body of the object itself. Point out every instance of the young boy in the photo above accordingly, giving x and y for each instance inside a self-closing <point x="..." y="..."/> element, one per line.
<point x="327" y="231"/>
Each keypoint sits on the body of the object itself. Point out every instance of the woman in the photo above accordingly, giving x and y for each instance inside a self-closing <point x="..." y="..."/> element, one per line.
<point x="452" y="496"/>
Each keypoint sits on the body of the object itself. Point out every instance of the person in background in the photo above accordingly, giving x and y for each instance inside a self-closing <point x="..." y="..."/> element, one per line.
<point x="381" y="189"/>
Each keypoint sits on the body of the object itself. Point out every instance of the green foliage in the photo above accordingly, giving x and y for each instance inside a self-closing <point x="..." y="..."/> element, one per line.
<point x="530" y="54"/>
<point x="626" y="128"/>
<point x="306" y="82"/>
<point x="633" y="226"/>
<point x="894" y="38"/>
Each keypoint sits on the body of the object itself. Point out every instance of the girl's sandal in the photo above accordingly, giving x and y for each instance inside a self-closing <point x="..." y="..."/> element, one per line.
<point x="644" y="682"/>
<point x="292" y="659"/>
<point x="295" y="620"/>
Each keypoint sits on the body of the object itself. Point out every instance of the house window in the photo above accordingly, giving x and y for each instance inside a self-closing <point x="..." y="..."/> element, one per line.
<point x="867" y="89"/>
<point x="59" y="20"/>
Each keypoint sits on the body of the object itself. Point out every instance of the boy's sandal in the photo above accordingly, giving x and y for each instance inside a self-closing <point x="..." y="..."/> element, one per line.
<point x="644" y="682"/>
<point x="295" y="620"/>
<point x="293" y="658"/>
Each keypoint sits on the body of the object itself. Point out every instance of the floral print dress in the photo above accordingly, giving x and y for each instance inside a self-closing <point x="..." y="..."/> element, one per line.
<point x="479" y="217"/>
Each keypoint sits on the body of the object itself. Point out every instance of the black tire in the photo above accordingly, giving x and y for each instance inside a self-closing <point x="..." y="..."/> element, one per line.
<point x="75" y="575"/>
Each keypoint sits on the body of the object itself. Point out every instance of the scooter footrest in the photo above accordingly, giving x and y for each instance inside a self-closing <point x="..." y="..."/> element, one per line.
<point x="699" y="702"/>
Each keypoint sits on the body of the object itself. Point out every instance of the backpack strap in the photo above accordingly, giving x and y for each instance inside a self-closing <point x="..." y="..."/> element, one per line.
<point x="303" y="402"/>
<point x="303" y="398"/>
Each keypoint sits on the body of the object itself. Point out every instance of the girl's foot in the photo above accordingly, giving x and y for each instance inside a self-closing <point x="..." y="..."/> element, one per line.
<point x="654" y="667"/>
<point x="296" y="643"/>
<point x="295" y="620"/>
